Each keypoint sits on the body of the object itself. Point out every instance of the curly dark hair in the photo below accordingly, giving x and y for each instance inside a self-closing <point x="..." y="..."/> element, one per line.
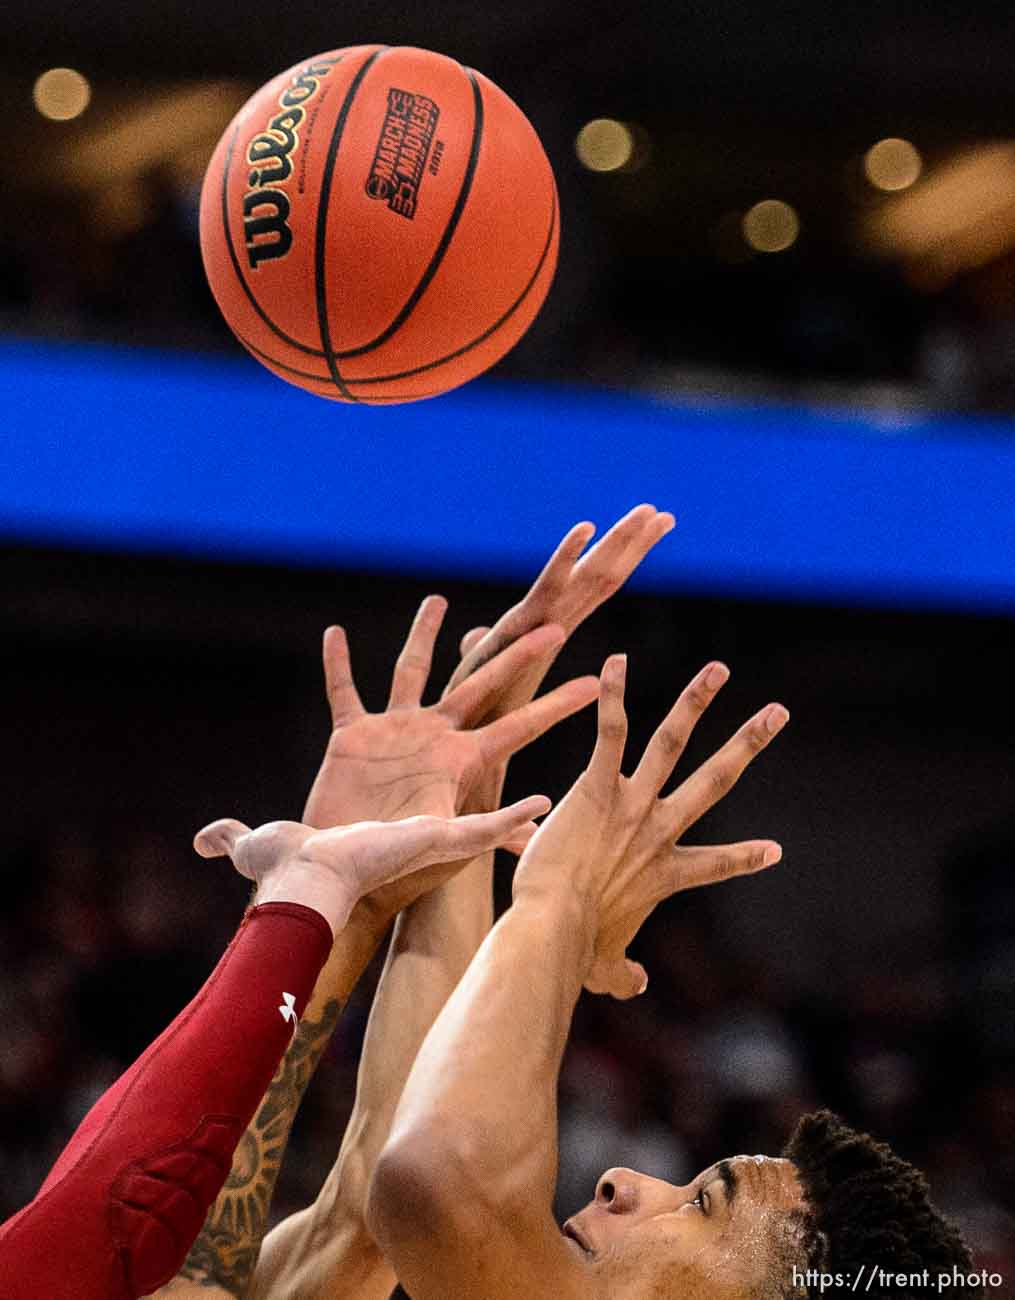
<point x="866" y="1209"/>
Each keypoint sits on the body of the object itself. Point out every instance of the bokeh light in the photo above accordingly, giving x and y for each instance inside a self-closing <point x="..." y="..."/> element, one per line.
<point x="892" y="164"/>
<point x="604" y="145"/>
<point x="61" y="94"/>
<point x="771" y="226"/>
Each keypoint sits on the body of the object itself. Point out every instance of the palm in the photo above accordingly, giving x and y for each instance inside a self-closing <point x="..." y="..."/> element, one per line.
<point x="626" y="916"/>
<point x="388" y="900"/>
<point x="386" y="766"/>
<point x="587" y="826"/>
<point x="413" y="760"/>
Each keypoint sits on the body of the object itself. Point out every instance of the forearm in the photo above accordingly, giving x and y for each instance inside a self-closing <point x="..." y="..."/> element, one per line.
<point x="434" y="940"/>
<point x="227" y="1247"/>
<point x="433" y="943"/>
<point x="149" y="1157"/>
<point x="327" y="1250"/>
<point x="482" y="1093"/>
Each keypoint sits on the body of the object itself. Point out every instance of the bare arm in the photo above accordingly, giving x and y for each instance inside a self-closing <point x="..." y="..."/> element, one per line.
<point x="407" y="761"/>
<point x="467" y="1211"/>
<point x="461" y="1197"/>
<point x="326" y="1253"/>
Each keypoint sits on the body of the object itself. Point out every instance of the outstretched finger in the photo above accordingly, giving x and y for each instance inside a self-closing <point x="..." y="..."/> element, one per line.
<point x="218" y="839"/>
<point x="412" y="670"/>
<point x="528" y="613"/>
<point x="467" y="837"/>
<point x="708" y="864"/>
<point x="608" y="565"/>
<point x="719" y="774"/>
<point x="470" y="640"/>
<point x="499" y="740"/>
<point x="654" y="531"/>
<point x="671" y="736"/>
<point x="557" y="570"/>
<point x="612" y="733"/>
<point x="343" y="698"/>
<point x="615" y="541"/>
<point x="621" y="978"/>
<point x="472" y="698"/>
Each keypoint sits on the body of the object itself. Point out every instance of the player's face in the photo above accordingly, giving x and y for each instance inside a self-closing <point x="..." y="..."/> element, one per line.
<point x="644" y="1238"/>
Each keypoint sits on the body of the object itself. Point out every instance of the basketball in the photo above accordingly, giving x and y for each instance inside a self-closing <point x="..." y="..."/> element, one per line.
<point x="379" y="224"/>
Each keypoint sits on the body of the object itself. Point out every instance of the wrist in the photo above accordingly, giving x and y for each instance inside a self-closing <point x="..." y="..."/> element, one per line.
<point x="564" y="913"/>
<point x="310" y="886"/>
<point x="368" y="924"/>
<point x="445" y="927"/>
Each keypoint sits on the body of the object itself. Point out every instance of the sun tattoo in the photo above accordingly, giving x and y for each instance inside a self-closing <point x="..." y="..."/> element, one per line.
<point x="226" y="1249"/>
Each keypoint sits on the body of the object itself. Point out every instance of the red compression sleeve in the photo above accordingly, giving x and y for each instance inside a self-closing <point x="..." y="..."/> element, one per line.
<point x="127" y="1197"/>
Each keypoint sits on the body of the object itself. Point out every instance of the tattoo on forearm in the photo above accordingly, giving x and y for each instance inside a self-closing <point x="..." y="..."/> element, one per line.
<point x="226" y="1250"/>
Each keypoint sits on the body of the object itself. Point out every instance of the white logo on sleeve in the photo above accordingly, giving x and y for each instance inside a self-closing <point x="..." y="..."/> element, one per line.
<point x="288" y="1009"/>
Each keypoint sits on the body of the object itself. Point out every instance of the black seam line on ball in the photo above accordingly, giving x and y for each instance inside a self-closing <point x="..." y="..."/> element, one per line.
<point x="430" y="365"/>
<point x="481" y="338"/>
<point x="449" y="230"/>
<point x="321" y="242"/>
<point x="429" y="273"/>
<point x="275" y="329"/>
<point x="325" y="381"/>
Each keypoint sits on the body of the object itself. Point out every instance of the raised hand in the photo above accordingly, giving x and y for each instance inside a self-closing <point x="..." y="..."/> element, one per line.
<point x="343" y="865"/>
<point x="570" y="587"/>
<point x="613" y="839"/>
<point x="411" y="759"/>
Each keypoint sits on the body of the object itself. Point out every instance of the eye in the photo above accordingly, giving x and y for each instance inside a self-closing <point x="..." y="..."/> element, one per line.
<point x="703" y="1201"/>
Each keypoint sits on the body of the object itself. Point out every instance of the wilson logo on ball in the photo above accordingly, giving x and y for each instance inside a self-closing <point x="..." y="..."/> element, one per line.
<point x="402" y="150"/>
<point x="270" y="155"/>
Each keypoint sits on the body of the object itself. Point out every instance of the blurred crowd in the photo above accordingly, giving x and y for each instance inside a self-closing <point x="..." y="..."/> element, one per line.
<point x="106" y="932"/>
<point x="130" y="271"/>
<point x="130" y="276"/>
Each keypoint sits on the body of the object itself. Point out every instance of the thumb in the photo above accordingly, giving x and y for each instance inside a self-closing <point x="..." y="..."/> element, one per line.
<point x="471" y="639"/>
<point x="218" y="839"/>
<point x="622" y="979"/>
<point x="631" y="980"/>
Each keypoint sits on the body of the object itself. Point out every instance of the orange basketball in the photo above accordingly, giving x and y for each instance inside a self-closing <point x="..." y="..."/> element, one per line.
<point x="379" y="224"/>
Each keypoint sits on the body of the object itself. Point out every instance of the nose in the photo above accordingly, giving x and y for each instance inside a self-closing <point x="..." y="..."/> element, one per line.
<point x="618" y="1191"/>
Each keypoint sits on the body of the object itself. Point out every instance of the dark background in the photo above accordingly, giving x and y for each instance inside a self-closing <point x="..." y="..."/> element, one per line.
<point x="871" y="970"/>
<point x="733" y="103"/>
<point x="874" y="969"/>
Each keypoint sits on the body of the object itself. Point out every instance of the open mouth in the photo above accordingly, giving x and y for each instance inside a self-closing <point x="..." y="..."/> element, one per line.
<point x="577" y="1236"/>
